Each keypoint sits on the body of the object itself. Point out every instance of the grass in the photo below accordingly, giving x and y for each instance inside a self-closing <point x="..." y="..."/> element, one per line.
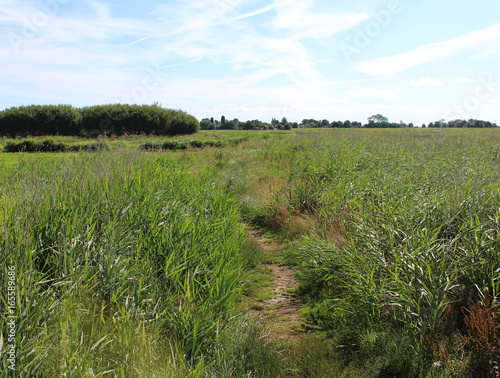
<point x="127" y="257"/>
<point x="123" y="240"/>
<point x="404" y="234"/>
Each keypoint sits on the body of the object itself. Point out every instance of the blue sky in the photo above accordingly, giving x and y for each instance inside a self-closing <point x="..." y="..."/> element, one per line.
<point x="414" y="61"/>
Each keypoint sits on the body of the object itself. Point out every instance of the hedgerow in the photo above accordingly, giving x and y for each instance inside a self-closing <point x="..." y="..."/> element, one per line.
<point x="112" y="119"/>
<point x="182" y="145"/>
<point x="50" y="146"/>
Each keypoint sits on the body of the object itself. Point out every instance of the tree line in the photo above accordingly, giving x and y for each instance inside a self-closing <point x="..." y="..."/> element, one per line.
<point x="93" y="121"/>
<point x="375" y="121"/>
<point x="474" y="123"/>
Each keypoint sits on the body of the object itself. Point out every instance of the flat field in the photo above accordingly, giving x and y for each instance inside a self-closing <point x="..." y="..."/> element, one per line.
<point x="134" y="262"/>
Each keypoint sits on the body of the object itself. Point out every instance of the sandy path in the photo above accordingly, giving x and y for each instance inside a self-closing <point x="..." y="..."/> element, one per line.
<point x="281" y="312"/>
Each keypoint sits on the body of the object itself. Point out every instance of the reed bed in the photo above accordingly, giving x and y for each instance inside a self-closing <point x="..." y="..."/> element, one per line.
<point x="124" y="264"/>
<point x="401" y="244"/>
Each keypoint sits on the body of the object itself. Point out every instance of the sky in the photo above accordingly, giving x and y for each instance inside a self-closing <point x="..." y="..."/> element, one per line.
<point x="409" y="60"/>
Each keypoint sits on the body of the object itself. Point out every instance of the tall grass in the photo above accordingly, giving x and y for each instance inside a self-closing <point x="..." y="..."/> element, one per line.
<point x="125" y="265"/>
<point x="405" y="236"/>
<point x="131" y="263"/>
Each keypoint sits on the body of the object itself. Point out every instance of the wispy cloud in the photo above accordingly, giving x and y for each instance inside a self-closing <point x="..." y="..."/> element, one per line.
<point x="245" y="58"/>
<point x="297" y="17"/>
<point x="247" y="15"/>
<point x="427" y="53"/>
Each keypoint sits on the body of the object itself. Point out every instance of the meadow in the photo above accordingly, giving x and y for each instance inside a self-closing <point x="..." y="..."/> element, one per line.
<point x="133" y="261"/>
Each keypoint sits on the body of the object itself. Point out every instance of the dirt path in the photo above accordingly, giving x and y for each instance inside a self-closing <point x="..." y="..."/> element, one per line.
<point x="281" y="312"/>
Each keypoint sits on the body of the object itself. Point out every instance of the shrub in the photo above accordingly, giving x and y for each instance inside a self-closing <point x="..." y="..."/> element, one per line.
<point x="37" y="120"/>
<point x="116" y="119"/>
<point x="32" y="146"/>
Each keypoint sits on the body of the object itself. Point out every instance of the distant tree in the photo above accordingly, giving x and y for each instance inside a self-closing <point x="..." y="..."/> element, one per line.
<point x="223" y="120"/>
<point x="411" y="124"/>
<point x="248" y="125"/>
<point x="325" y="123"/>
<point x="423" y="126"/>
<point x="205" y="124"/>
<point x="440" y="123"/>
<point x="284" y="121"/>
<point x="347" y="123"/>
<point x="457" y="123"/>
<point x="230" y="125"/>
<point x="309" y="122"/>
<point x="378" y="118"/>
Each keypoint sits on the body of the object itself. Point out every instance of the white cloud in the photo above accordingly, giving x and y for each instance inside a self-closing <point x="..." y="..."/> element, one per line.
<point x="247" y="15"/>
<point x="426" y="81"/>
<point x="296" y="17"/>
<point x="401" y="62"/>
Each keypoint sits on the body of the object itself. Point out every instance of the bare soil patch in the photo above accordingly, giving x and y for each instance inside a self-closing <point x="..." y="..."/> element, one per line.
<point x="281" y="312"/>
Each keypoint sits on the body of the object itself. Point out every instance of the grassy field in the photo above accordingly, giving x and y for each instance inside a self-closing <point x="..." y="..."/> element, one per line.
<point x="136" y="263"/>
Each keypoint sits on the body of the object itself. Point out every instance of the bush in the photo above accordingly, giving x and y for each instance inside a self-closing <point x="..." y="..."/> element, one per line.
<point x="117" y="119"/>
<point x="37" y="120"/>
<point x="32" y="146"/>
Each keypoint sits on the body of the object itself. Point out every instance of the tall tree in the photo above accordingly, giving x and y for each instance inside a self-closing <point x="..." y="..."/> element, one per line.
<point x="378" y="118"/>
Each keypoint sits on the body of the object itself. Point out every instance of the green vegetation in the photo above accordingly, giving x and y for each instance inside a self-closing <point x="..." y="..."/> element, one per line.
<point x="94" y="121"/>
<point x="49" y="145"/>
<point x="183" y="144"/>
<point x="375" y="121"/>
<point x="397" y="245"/>
<point x="118" y="255"/>
<point x="134" y="262"/>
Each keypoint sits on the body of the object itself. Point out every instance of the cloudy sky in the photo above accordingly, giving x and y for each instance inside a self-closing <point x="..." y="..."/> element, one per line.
<point x="411" y="60"/>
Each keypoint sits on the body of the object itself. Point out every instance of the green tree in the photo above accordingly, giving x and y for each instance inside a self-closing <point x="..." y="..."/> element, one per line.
<point x="378" y="118"/>
<point x="205" y="124"/>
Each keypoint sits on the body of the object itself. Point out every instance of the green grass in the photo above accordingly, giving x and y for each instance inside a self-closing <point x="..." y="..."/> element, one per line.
<point x="405" y="233"/>
<point x="133" y="263"/>
<point x="113" y="250"/>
